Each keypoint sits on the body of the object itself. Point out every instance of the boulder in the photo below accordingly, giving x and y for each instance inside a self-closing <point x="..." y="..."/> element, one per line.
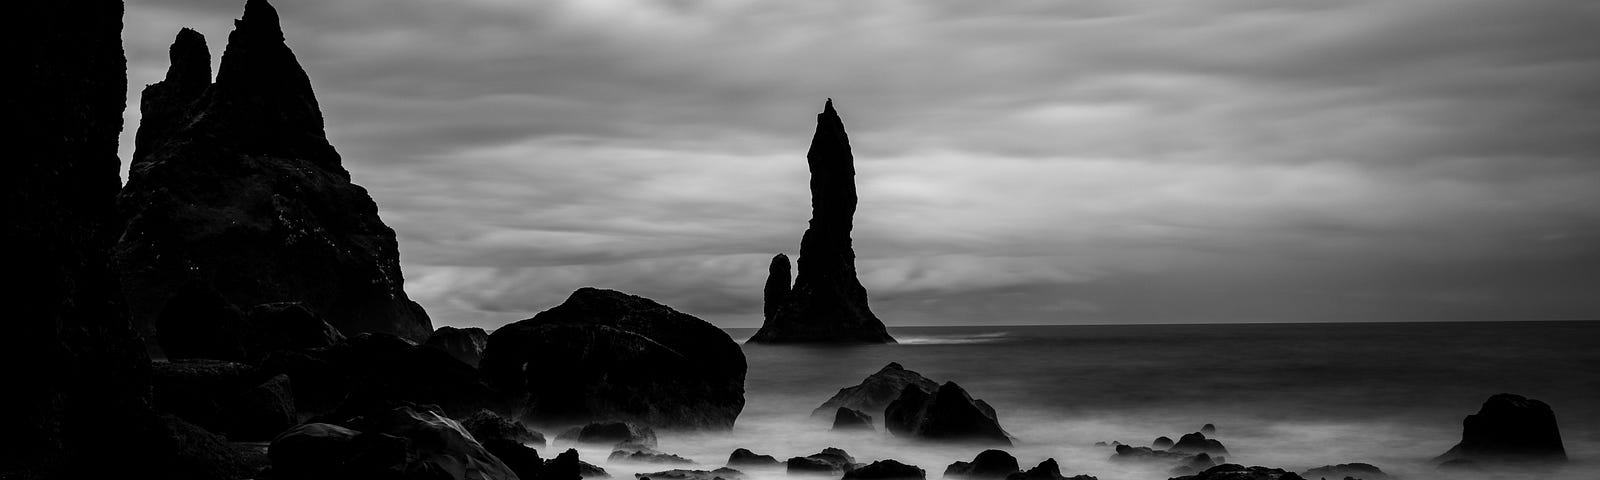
<point x="1162" y="443"/>
<point x="615" y="434"/>
<point x="230" y="398"/>
<point x="523" y="461"/>
<point x="368" y="369"/>
<point x="1194" y="464"/>
<point x="827" y="302"/>
<point x="948" y="414"/>
<point x="288" y="326"/>
<point x="1363" y="471"/>
<point x="884" y="470"/>
<point x="747" y="459"/>
<point x="263" y="411"/>
<point x="466" y="344"/>
<point x="565" y="466"/>
<point x="1229" y="471"/>
<point x="485" y="425"/>
<point x="646" y="456"/>
<point x="1046" y="470"/>
<point x="812" y="466"/>
<point x="1208" y="429"/>
<point x="625" y="358"/>
<point x="876" y="391"/>
<point x="1509" y="428"/>
<point x="311" y="450"/>
<point x="988" y="464"/>
<point x="1197" y="442"/>
<point x="847" y="419"/>
<point x="404" y="441"/>
<point x="677" y="474"/>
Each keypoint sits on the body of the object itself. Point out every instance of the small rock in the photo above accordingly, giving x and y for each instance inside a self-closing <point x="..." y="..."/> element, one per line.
<point x="746" y="458"/>
<point x="885" y="470"/>
<point x="988" y="464"/>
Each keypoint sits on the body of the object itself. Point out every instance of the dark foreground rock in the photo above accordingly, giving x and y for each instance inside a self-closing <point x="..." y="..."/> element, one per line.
<point x="1229" y="471"/>
<point x="847" y="419"/>
<point x="626" y="357"/>
<point x="233" y="399"/>
<point x="1047" y="470"/>
<point x="1509" y="428"/>
<point x="370" y="369"/>
<point x="1363" y="471"/>
<point x="830" y="461"/>
<point x="948" y="414"/>
<point x="988" y="464"/>
<point x="1197" y="442"/>
<point x="747" y="459"/>
<point x="616" y="434"/>
<point x="466" y="344"/>
<point x="827" y="302"/>
<point x="567" y="466"/>
<point x="646" y="456"/>
<point x="234" y="188"/>
<point x="521" y="459"/>
<point x="876" y="391"/>
<point x="485" y="425"/>
<point x="404" y="441"/>
<point x="677" y="474"/>
<point x="886" y="470"/>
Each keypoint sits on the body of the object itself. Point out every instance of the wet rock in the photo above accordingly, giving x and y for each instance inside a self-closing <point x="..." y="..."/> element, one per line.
<point x="678" y="474"/>
<point x="948" y="414"/>
<point x="988" y="464"/>
<point x="885" y="470"/>
<point x="1509" y="428"/>
<point x="827" y="302"/>
<point x="847" y="419"/>
<point x="1229" y="471"/>
<point x="615" y="434"/>
<point x="876" y="391"/>
<point x="466" y="344"/>
<point x="311" y="449"/>
<point x="747" y="459"/>
<point x="1363" y="471"/>
<point x="485" y="425"/>
<point x="1162" y="443"/>
<point x="1197" y="442"/>
<point x="1046" y="470"/>
<point x="646" y="456"/>
<point x="627" y="358"/>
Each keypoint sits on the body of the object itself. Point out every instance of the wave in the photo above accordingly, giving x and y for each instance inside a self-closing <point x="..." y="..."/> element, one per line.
<point x="990" y="337"/>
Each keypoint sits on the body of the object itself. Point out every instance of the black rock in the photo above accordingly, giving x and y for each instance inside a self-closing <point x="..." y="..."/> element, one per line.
<point x="847" y="419"/>
<point x="233" y="399"/>
<point x="406" y="440"/>
<point x="836" y="456"/>
<point x="288" y="326"/>
<point x="485" y="425"/>
<point x="1363" y="471"/>
<point x="369" y="369"/>
<point x="238" y="189"/>
<point x="827" y="302"/>
<point x="1197" y="442"/>
<point x="745" y="458"/>
<point x="523" y="461"/>
<point x="812" y="466"/>
<point x="1162" y="443"/>
<point x="625" y="358"/>
<point x="1229" y="471"/>
<point x="988" y="464"/>
<point x="567" y="466"/>
<point x="777" y="289"/>
<point x="886" y="469"/>
<point x="875" y="392"/>
<point x="433" y="443"/>
<point x="1046" y="470"/>
<point x="1208" y="429"/>
<point x="1509" y="428"/>
<point x="200" y="324"/>
<point x="646" y="455"/>
<point x="311" y="449"/>
<point x="1194" y="464"/>
<point x="614" y="434"/>
<point x="678" y="474"/>
<point x="1129" y="453"/>
<point x="466" y="344"/>
<point x="948" y="414"/>
<point x="263" y="411"/>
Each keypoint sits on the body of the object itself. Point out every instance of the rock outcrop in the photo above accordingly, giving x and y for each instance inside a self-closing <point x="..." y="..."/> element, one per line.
<point x="1047" y="470"/>
<point x="827" y="303"/>
<point x="777" y="289"/>
<point x="646" y="456"/>
<point x="745" y="458"/>
<point x="948" y="414"/>
<point x="485" y="425"/>
<point x="830" y="461"/>
<point x="466" y="344"/>
<point x="371" y="369"/>
<point x="1229" y="471"/>
<point x="235" y="187"/>
<point x="401" y="442"/>
<point x="886" y="470"/>
<point x="876" y="391"/>
<point x="989" y="464"/>
<point x="847" y="419"/>
<point x="625" y="358"/>
<point x="1363" y="471"/>
<point x="1162" y="443"/>
<point x="228" y="398"/>
<point x="1509" y="428"/>
<point x="615" y="434"/>
<point x="1197" y="442"/>
<point x="723" y="473"/>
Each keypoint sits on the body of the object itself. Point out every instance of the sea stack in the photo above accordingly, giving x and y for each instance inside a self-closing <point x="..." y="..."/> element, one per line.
<point x="1509" y="428"/>
<point x="235" y="189"/>
<point x="827" y="303"/>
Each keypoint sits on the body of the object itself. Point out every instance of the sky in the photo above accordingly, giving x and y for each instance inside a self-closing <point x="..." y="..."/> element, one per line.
<point x="1044" y="162"/>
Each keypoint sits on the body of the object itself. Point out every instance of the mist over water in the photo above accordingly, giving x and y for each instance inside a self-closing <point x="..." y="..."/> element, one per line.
<point x="1293" y="396"/>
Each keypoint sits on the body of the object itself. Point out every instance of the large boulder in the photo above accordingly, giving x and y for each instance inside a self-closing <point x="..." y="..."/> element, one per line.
<point x="744" y="458"/>
<point x="485" y="425"/>
<point x="1509" y="428"/>
<point x="624" y="358"/>
<point x="1192" y="443"/>
<point x="989" y="464"/>
<point x="875" y="392"/>
<point x="616" y="434"/>
<point x="1047" y="470"/>
<point x="886" y="470"/>
<point x="466" y="344"/>
<point x="405" y="441"/>
<point x="369" y="368"/>
<point x="847" y="419"/>
<point x="1230" y="471"/>
<point x="1363" y="471"/>
<point x="830" y="461"/>
<point x="947" y="414"/>
<point x="1162" y="443"/>
<point x="233" y="399"/>
<point x="567" y="466"/>
<point x="523" y="461"/>
<point x="234" y="187"/>
<point x="827" y="302"/>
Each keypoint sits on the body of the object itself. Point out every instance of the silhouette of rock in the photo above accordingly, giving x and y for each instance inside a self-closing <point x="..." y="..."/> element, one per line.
<point x="567" y="466"/>
<point x="876" y="391"/>
<point x="646" y="455"/>
<point x="1046" y="470"/>
<point x="1230" y="471"/>
<point x="1509" y="428"/>
<point x="1208" y="429"/>
<point x="523" y="461"/>
<point x="1198" y="443"/>
<point x="200" y="324"/>
<point x="612" y="434"/>
<point x="380" y="443"/>
<point x="485" y="425"/>
<point x="1162" y="443"/>
<point x="288" y="326"/>
<point x="1363" y="471"/>
<point x="830" y="461"/>
<point x="745" y="458"/>
<point x="847" y="419"/>
<point x="1194" y="464"/>
<point x="311" y="450"/>
<point x="625" y="358"/>
<point x="989" y="464"/>
<point x="777" y="289"/>
<point x="886" y="470"/>
<point x="827" y="302"/>
<point x="1129" y="453"/>
<point x="370" y="369"/>
<point x="228" y="398"/>
<point x="238" y="190"/>
<point x="677" y="474"/>
<point x="948" y="414"/>
<point x="466" y="344"/>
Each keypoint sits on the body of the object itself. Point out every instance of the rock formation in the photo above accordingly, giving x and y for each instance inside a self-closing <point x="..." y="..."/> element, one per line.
<point x="723" y="473"/>
<point x="624" y="358"/>
<point x="1047" y="470"/>
<point x="401" y="442"/>
<point x="616" y="434"/>
<point x="886" y="470"/>
<point x="745" y="458"/>
<point x="466" y="344"/>
<point x="485" y="425"/>
<point x="989" y="464"/>
<point x="876" y="391"/>
<point x="233" y="399"/>
<point x="372" y="369"/>
<point x="1198" y="443"/>
<point x="827" y="303"/>
<point x="234" y="186"/>
<point x="847" y="419"/>
<point x="1363" y="471"/>
<point x="777" y="289"/>
<point x="947" y="414"/>
<point x="1229" y="471"/>
<point x="1509" y="428"/>
<point x="1162" y="443"/>
<point x="830" y="461"/>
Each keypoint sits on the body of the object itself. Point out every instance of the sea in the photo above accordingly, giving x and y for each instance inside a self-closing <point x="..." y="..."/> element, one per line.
<point x="1290" y="396"/>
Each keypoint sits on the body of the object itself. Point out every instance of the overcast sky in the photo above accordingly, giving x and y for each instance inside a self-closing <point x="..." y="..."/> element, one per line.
<point x="1018" y="162"/>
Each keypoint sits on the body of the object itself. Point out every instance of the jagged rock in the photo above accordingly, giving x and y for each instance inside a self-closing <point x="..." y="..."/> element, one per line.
<point x="164" y="105"/>
<point x="746" y="458"/>
<point x="523" y="461"/>
<point x="615" y="434"/>
<point x="309" y="449"/>
<point x="1509" y="428"/>
<point x="567" y="466"/>
<point x="830" y="460"/>
<point x="678" y="474"/>
<point x="625" y="358"/>
<point x="238" y="190"/>
<point x="827" y="302"/>
<point x="988" y="464"/>
<point x="1198" y="443"/>
<point x="886" y="470"/>
<point x="264" y="411"/>
<point x="1194" y="464"/>
<point x="948" y="414"/>
<point x="1230" y="471"/>
<point x="645" y="455"/>
<point x="404" y="441"/>
<point x="1046" y="470"/>
<point x="777" y="289"/>
<point x="847" y="419"/>
<point x="288" y="326"/>
<point x="1162" y="443"/>
<point x="485" y="425"/>
<point x="876" y="391"/>
<point x="836" y="456"/>
<point x="1208" y="429"/>
<point x="466" y="344"/>
<point x="229" y="398"/>
<point x="1363" y="471"/>
<point x="369" y="369"/>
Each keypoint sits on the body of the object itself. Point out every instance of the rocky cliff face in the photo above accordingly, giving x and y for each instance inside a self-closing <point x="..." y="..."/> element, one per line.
<point x="234" y="186"/>
<point x="827" y="302"/>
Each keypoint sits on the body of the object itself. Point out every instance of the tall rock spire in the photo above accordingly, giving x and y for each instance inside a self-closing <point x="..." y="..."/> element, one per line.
<point x="164" y="105"/>
<point x="827" y="302"/>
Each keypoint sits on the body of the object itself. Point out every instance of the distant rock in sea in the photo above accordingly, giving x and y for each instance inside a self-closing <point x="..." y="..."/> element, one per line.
<point x="988" y="465"/>
<point x="1363" y="471"/>
<point x="466" y="344"/>
<point x="947" y="414"/>
<point x="1047" y="470"/>
<point x="827" y="303"/>
<point x="1198" y="443"/>
<point x="830" y="461"/>
<point x="744" y="458"/>
<point x="679" y="474"/>
<point x="886" y="470"/>
<point x="847" y="419"/>
<point x="1162" y="443"/>
<point x="1208" y="429"/>
<point x="621" y="356"/>
<point x="1229" y="471"/>
<point x="615" y="434"/>
<point x="234" y="187"/>
<point x="876" y="391"/>
<point x="1509" y="428"/>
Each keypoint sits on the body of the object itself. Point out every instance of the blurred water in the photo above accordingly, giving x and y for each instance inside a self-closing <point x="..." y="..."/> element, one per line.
<point x="1284" y="395"/>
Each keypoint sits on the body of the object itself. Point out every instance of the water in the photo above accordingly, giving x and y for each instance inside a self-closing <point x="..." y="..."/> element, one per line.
<point x="1283" y="395"/>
